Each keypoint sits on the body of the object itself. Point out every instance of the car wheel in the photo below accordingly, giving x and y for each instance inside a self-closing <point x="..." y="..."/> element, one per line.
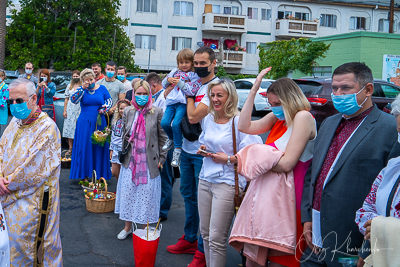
<point x="254" y="112"/>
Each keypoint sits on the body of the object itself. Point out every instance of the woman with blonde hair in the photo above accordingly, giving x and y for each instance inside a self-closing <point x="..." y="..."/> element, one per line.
<point x="292" y="133"/>
<point x="71" y="110"/>
<point x="86" y="156"/>
<point x="216" y="188"/>
<point x="139" y="183"/>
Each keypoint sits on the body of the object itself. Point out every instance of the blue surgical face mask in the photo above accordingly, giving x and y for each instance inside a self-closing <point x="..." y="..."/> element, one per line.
<point x="28" y="71"/>
<point x="121" y="77"/>
<point x="347" y="104"/>
<point x="141" y="100"/>
<point x="1" y="80"/>
<point x="20" y="111"/>
<point x="278" y="112"/>
<point x="92" y="85"/>
<point x="110" y="74"/>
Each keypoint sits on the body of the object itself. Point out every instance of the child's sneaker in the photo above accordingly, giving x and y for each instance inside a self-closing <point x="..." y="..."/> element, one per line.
<point x="176" y="157"/>
<point x="168" y="145"/>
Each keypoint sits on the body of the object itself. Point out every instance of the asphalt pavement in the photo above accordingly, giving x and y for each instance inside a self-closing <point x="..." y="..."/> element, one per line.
<point x="90" y="239"/>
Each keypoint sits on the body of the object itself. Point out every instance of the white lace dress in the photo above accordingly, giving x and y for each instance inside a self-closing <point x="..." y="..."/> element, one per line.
<point x="140" y="203"/>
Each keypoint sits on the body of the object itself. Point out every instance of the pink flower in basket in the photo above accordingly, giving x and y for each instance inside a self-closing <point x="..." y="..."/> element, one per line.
<point x="95" y="191"/>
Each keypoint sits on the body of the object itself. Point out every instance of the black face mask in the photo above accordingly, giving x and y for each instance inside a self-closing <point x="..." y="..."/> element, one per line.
<point x="202" y="71"/>
<point x="76" y="80"/>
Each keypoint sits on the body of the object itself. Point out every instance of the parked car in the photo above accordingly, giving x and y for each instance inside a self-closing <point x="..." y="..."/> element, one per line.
<point x="61" y="79"/>
<point x="11" y="75"/>
<point x="318" y="92"/>
<point x="243" y="87"/>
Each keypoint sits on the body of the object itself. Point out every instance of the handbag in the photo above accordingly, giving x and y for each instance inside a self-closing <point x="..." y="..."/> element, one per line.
<point x="238" y="198"/>
<point x="123" y="153"/>
<point x="190" y="131"/>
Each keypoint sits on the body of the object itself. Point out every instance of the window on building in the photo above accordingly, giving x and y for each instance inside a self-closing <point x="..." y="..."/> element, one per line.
<point x="147" y="6"/>
<point x="183" y="8"/>
<point x="322" y="71"/>
<point x="145" y="41"/>
<point x="359" y="23"/>
<point x="284" y="14"/>
<point x="328" y="20"/>
<point x="265" y="14"/>
<point x="383" y="25"/>
<point x="251" y="47"/>
<point x="178" y="43"/>
<point x="252" y="13"/>
<point x="302" y="16"/>
<point x="234" y="10"/>
<point x="216" y="9"/>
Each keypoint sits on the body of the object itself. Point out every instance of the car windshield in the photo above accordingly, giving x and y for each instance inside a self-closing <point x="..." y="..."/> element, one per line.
<point x="265" y="84"/>
<point x="61" y="79"/>
<point x="309" y="87"/>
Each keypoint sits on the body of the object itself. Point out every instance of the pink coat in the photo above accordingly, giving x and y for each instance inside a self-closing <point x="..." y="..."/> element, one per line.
<point x="266" y="221"/>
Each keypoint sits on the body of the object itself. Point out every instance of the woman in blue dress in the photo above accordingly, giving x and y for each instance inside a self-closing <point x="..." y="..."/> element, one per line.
<point x="86" y="157"/>
<point x="3" y="102"/>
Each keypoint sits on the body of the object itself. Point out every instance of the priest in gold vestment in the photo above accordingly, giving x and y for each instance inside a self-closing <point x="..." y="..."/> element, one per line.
<point x="30" y="160"/>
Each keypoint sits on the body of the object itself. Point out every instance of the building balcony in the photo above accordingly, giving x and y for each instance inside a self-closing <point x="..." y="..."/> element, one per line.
<point x="224" y="23"/>
<point x="233" y="59"/>
<point x="296" y="28"/>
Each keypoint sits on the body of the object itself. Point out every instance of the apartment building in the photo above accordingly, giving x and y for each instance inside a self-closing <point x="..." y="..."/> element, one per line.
<point x="161" y="28"/>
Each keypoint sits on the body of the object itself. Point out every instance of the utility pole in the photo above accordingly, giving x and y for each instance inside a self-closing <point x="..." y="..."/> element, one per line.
<point x="391" y="16"/>
<point x="148" y="63"/>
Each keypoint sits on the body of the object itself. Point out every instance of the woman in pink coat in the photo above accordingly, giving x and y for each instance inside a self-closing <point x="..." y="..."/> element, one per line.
<point x="292" y="131"/>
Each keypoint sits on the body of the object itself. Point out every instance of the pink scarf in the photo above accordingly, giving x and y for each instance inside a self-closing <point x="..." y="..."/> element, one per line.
<point x="138" y="163"/>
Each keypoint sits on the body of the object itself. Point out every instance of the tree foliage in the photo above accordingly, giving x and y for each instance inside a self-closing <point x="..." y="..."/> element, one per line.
<point x="221" y="73"/>
<point x="43" y="32"/>
<point x="286" y="55"/>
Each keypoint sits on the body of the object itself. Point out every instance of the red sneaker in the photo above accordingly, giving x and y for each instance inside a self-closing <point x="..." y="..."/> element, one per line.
<point x="183" y="246"/>
<point x="199" y="260"/>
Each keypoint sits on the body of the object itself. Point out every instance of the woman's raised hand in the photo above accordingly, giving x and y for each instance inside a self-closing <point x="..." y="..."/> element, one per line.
<point x="259" y="78"/>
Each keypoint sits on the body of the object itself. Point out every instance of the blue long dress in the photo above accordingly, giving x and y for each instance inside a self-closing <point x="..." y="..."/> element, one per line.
<point x="86" y="156"/>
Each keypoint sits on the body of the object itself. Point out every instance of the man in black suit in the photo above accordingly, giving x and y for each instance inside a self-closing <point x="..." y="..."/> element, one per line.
<point x="350" y="150"/>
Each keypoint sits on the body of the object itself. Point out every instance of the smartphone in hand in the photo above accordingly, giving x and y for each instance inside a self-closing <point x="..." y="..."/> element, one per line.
<point x="206" y="151"/>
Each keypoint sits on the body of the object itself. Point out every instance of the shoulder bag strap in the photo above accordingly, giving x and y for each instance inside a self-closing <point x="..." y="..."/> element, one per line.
<point x="234" y="153"/>
<point x="391" y="196"/>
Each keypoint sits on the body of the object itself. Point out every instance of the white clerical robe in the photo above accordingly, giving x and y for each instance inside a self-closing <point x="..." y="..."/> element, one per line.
<point x="30" y="159"/>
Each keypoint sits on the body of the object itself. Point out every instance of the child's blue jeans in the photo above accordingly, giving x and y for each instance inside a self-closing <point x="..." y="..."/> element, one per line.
<point x="174" y="114"/>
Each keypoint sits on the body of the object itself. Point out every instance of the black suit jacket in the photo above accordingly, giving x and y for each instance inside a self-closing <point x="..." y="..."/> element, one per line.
<point x="366" y="153"/>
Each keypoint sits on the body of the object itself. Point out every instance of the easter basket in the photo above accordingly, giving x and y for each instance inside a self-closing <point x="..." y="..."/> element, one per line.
<point x="94" y="184"/>
<point x="100" y="201"/>
<point x="101" y="137"/>
<point x="65" y="163"/>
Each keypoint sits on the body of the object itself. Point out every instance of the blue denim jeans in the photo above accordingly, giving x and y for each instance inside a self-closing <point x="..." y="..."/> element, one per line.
<point x="174" y="114"/>
<point x="167" y="182"/>
<point x="190" y="169"/>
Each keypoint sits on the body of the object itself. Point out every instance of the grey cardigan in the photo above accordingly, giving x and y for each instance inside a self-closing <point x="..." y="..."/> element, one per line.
<point x="155" y="138"/>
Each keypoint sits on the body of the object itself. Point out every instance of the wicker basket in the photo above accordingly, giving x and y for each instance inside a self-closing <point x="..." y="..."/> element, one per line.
<point x="94" y="177"/>
<point x="99" y="135"/>
<point x="100" y="205"/>
<point x="65" y="164"/>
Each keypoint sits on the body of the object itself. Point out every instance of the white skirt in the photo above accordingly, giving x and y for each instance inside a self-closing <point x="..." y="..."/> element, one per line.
<point x="139" y="204"/>
<point x="4" y="241"/>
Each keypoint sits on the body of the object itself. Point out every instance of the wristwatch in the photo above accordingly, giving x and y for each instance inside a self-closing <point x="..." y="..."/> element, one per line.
<point x="229" y="161"/>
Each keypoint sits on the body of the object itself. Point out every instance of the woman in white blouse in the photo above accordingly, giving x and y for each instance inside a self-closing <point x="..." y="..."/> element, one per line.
<point x="216" y="188"/>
